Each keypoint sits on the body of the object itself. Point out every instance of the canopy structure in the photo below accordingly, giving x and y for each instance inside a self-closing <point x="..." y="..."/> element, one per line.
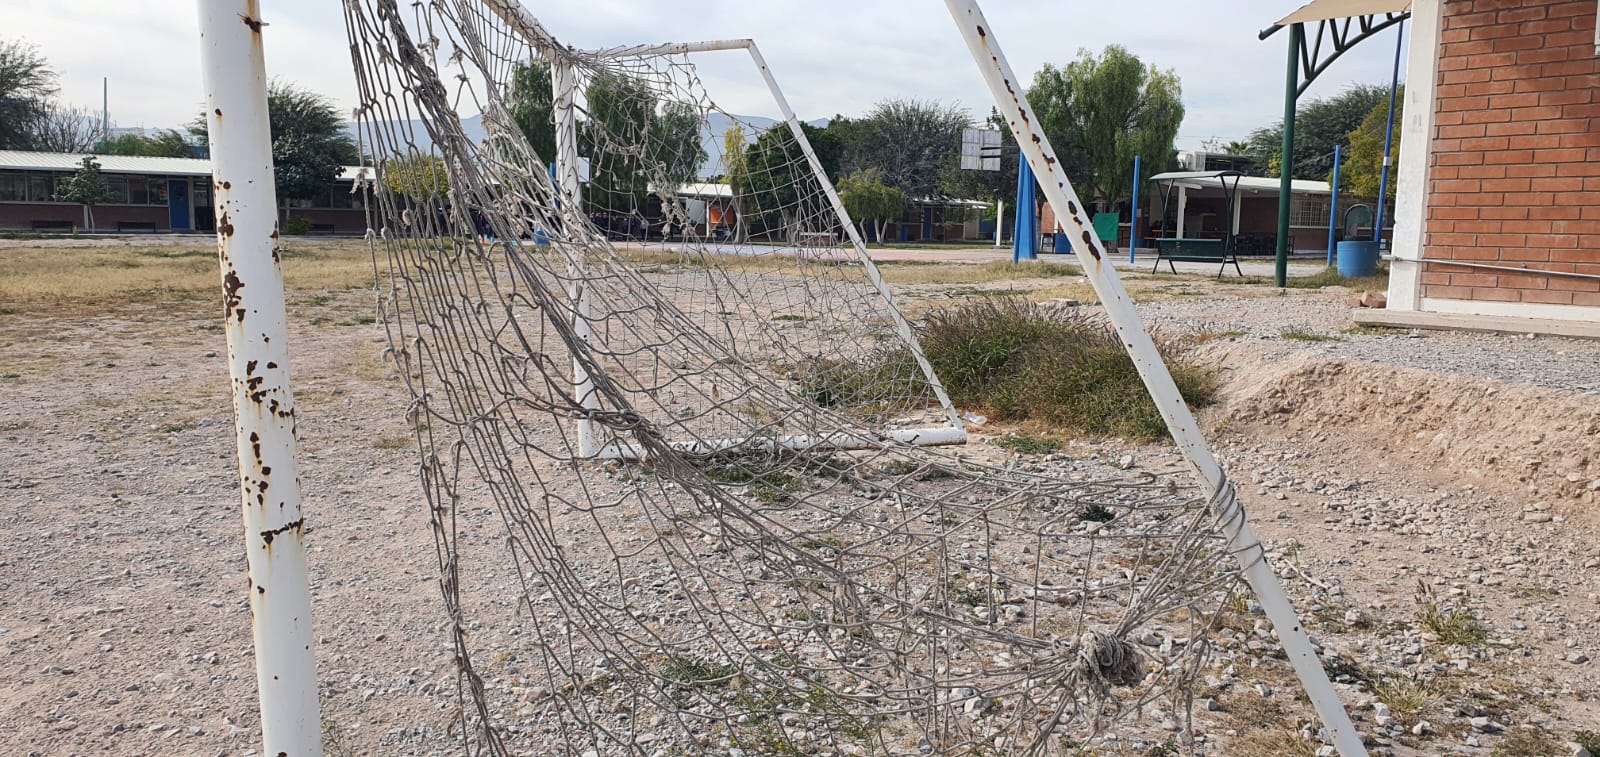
<point x="1343" y="24"/>
<point x="1174" y="244"/>
<point x="1327" y="10"/>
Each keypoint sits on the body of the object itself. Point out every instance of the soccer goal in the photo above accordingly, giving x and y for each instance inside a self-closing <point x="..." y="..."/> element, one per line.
<point x="683" y="455"/>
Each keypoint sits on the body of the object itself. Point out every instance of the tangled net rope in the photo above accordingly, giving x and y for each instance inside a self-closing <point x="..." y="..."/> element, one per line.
<point x="748" y="558"/>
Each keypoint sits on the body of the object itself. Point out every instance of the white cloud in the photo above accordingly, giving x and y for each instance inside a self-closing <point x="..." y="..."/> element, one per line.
<point x="832" y="56"/>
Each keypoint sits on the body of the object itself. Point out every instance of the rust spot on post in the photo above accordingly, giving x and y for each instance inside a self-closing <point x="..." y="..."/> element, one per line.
<point x="255" y="24"/>
<point x="230" y="289"/>
<point x="296" y="525"/>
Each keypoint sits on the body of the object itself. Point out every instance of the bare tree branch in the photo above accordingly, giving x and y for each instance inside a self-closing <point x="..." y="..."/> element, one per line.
<point x="66" y="128"/>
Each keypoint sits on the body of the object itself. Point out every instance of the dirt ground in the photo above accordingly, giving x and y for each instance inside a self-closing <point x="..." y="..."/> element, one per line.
<point x="124" y="625"/>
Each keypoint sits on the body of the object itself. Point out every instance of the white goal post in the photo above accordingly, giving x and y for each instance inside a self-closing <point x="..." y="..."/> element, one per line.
<point x="1097" y="263"/>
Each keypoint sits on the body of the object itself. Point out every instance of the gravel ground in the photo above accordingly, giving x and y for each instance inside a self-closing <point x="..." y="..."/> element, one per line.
<point x="1552" y="362"/>
<point x="124" y="622"/>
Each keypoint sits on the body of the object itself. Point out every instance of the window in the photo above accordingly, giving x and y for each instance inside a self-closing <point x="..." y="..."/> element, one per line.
<point x="1309" y="211"/>
<point x="344" y="198"/>
<point x="158" y="190"/>
<point x="41" y="188"/>
<point x="138" y="190"/>
<point x="13" y="187"/>
<point x="119" y="189"/>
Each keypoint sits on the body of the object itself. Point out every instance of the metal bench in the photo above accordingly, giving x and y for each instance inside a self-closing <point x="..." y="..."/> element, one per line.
<point x="814" y="240"/>
<point x="1196" y="251"/>
<point x="322" y="228"/>
<point x="149" y="226"/>
<point x="53" y="226"/>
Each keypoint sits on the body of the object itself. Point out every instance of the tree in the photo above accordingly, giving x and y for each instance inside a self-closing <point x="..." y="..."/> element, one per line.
<point x="1319" y="125"/>
<point x="1363" y="163"/>
<point x="867" y="199"/>
<point x="65" y="128"/>
<point x="621" y="109"/>
<point x="26" y="84"/>
<point x="733" y="160"/>
<point x="910" y="142"/>
<point x="776" y="176"/>
<point x="422" y="178"/>
<point x="310" y="146"/>
<point x="1099" y="112"/>
<point x="87" y="188"/>
<point x="532" y="99"/>
<point x="166" y="143"/>
<point x="676" y="144"/>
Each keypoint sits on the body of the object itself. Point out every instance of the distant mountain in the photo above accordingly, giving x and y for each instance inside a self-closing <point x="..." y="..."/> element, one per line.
<point x="710" y="134"/>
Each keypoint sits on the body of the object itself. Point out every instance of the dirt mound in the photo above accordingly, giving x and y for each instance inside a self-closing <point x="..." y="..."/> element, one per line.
<point x="1537" y="444"/>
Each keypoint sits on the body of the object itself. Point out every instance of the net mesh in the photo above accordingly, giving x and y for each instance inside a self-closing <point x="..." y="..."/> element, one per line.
<point x="748" y="557"/>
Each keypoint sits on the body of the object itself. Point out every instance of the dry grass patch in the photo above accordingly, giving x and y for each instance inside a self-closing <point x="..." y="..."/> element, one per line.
<point x="921" y="272"/>
<point x="115" y="275"/>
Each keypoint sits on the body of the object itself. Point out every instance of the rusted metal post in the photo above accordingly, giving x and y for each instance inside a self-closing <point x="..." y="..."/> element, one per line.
<point x="258" y="365"/>
<point x="1097" y="265"/>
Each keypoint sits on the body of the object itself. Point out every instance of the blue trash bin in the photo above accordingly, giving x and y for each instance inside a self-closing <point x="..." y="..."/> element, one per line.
<point x="1357" y="258"/>
<point x="1062" y="246"/>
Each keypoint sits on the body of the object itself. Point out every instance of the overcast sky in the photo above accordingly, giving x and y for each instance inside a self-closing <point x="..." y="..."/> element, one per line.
<point x="831" y="56"/>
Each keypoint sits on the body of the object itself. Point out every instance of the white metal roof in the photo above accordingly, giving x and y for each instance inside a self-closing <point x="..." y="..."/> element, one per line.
<point x="1322" y="10"/>
<point x="704" y="189"/>
<point x="1252" y="184"/>
<point x="18" y="160"/>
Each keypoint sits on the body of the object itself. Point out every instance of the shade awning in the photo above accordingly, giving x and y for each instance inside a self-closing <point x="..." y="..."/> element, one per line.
<point x="1182" y="175"/>
<point x="1323" y="10"/>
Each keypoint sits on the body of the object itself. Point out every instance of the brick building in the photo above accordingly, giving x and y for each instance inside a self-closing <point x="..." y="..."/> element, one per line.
<point x="1498" y="220"/>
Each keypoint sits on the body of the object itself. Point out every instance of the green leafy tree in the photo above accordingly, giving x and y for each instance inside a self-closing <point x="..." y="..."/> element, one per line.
<point x="737" y="172"/>
<point x="868" y="200"/>
<point x="86" y="187"/>
<point x="676" y="144"/>
<point x="912" y="144"/>
<point x="1101" y="111"/>
<point x="310" y="146"/>
<point x="532" y="106"/>
<point x="26" y="85"/>
<point x="1363" y="163"/>
<point x="621" y="110"/>
<point x="163" y="144"/>
<point x="776" y="177"/>
<point x="1319" y="125"/>
<point x="422" y="178"/>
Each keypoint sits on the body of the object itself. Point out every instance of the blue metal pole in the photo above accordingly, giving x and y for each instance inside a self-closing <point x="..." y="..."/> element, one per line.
<point x="1388" y="138"/>
<point x="1333" y="203"/>
<point x="1133" y="221"/>
<point x="1025" y="237"/>
<point x="1019" y="225"/>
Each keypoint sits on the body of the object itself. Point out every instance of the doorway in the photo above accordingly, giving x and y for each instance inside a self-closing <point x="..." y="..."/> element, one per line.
<point x="178" y="204"/>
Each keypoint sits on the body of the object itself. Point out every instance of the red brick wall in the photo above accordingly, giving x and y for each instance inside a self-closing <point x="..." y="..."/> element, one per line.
<point x="1515" y="174"/>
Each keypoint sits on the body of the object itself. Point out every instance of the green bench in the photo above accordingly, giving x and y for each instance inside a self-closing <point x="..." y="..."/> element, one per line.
<point x="1196" y="251"/>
